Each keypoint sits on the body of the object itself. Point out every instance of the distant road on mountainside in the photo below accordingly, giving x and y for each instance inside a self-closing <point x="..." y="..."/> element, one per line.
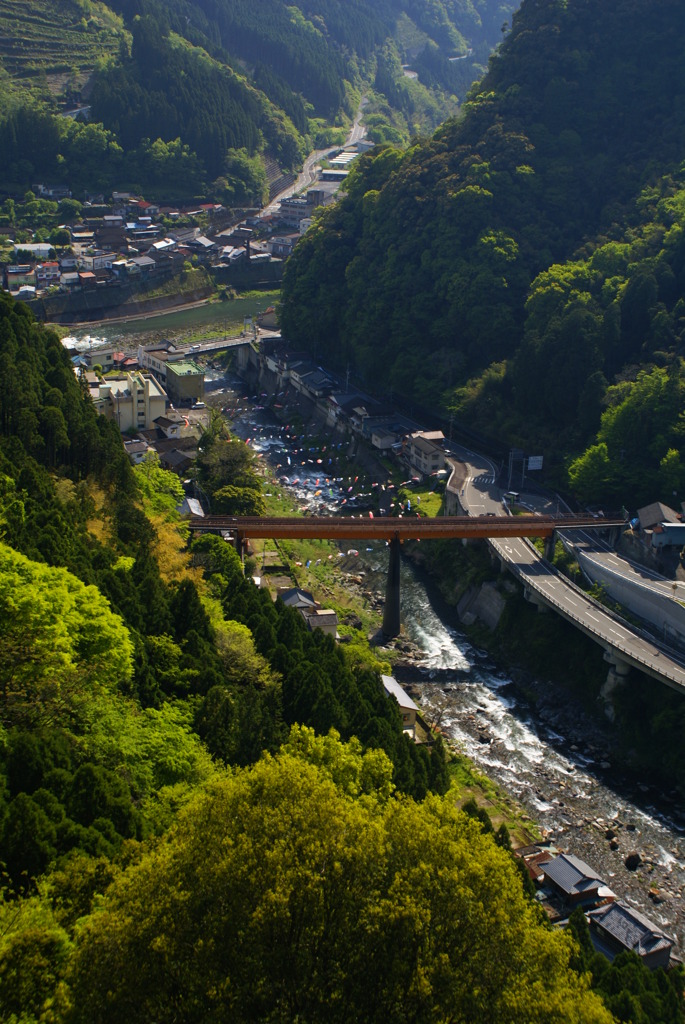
<point x="308" y="175"/>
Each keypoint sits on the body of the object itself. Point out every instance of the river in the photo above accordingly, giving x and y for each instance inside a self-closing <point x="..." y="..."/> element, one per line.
<point x="551" y="756"/>
<point x="182" y="325"/>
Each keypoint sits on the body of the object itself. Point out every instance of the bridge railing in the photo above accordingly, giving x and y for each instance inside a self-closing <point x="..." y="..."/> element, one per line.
<point x="661" y="668"/>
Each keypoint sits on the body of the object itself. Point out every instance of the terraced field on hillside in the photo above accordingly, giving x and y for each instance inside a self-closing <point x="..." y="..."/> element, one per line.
<point x="54" y="36"/>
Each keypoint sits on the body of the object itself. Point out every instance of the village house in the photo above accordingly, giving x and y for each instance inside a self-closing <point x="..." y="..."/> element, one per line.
<point x="313" y="383"/>
<point x="575" y="881"/>
<point x="661" y="526"/>
<point x="47" y="274"/>
<point x="185" y="381"/>
<point x="102" y="356"/>
<point x="282" y="245"/>
<point x="292" y="210"/>
<point x="324" y="619"/>
<point x="533" y="856"/>
<point x="34" y="250"/>
<point x="54" y="192"/>
<point x="170" y="425"/>
<point x="18" y="276"/>
<point x="267" y="319"/>
<point x="311" y="611"/>
<point x="67" y="262"/>
<point x="204" y="248"/>
<point x="96" y="260"/>
<point x="424" y="455"/>
<point x="142" y="231"/>
<point x="145" y="264"/>
<point x="81" y="237"/>
<point x="383" y="439"/>
<point x="339" y="407"/>
<point x="110" y="233"/>
<point x="156" y="357"/>
<point x="87" y="279"/>
<point x="161" y="246"/>
<point x="69" y="282"/>
<point x="178" y="460"/>
<point x="136" y="450"/>
<point x="617" y="927"/>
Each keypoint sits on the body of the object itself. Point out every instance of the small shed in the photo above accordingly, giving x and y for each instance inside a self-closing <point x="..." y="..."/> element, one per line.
<point x="408" y="708"/>
<point x="324" y="619"/>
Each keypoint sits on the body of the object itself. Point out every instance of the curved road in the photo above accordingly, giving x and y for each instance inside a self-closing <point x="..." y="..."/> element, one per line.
<point x="309" y="173"/>
<point x="479" y="496"/>
<point x="603" y="554"/>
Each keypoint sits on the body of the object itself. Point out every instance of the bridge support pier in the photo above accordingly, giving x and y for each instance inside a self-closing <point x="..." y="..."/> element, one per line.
<point x="391" y="612"/>
<point x="550" y="543"/>
<point x="535" y="600"/>
<point x="616" y="677"/>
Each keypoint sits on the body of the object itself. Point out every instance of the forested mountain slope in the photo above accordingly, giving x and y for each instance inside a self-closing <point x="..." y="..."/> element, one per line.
<point x="181" y="833"/>
<point x="528" y="257"/>
<point x="182" y="93"/>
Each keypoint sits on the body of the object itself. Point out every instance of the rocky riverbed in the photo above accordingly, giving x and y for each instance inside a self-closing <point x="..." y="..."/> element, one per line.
<point x="547" y="752"/>
<point x="530" y="736"/>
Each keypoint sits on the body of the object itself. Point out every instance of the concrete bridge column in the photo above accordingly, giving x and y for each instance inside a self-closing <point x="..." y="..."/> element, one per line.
<point x="616" y="677"/>
<point x="533" y="598"/>
<point x="549" y="547"/>
<point x="391" y="612"/>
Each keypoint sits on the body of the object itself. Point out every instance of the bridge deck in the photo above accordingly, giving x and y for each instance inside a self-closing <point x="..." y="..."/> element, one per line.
<point x="384" y="528"/>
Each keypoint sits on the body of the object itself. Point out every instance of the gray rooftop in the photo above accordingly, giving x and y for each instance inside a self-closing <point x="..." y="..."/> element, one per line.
<point x="632" y="929"/>
<point x="393" y="689"/>
<point x="571" y="874"/>
<point x="296" y="598"/>
<point x="657" y="512"/>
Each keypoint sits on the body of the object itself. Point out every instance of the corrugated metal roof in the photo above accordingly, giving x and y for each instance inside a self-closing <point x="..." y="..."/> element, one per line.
<point x="393" y="688"/>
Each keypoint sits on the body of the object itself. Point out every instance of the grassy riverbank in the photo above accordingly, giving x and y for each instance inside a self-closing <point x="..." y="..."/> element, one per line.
<point x="221" y="316"/>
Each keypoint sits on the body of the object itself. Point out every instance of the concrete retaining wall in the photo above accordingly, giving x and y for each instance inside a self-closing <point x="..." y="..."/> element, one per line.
<point x="663" y="611"/>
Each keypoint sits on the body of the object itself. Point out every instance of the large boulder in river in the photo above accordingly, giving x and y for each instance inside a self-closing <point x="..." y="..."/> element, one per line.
<point x="633" y="860"/>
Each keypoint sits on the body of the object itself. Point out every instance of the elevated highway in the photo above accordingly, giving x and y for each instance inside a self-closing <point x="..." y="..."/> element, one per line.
<point x="624" y="645"/>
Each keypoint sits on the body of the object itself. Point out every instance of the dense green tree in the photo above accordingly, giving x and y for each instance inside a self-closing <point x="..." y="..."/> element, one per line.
<point x="58" y="639"/>
<point x="318" y="904"/>
<point x="631" y="991"/>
